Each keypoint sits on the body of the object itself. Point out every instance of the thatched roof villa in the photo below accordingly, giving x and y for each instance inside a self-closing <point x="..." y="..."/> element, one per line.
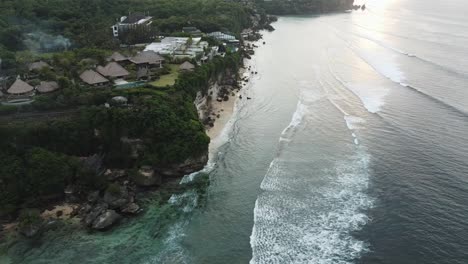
<point x="47" y="87"/>
<point x="93" y="78"/>
<point x="186" y="66"/>
<point x="113" y="70"/>
<point x="20" y="87"/>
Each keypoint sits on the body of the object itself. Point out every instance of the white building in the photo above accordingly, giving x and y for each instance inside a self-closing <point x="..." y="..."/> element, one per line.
<point x="179" y="47"/>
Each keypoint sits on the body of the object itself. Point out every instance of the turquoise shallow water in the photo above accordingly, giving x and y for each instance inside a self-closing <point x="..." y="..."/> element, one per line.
<point x="352" y="150"/>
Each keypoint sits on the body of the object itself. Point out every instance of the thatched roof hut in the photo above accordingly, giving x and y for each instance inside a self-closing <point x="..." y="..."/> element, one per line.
<point x="117" y="57"/>
<point x="186" y="66"/>
<point x="147" y="57"/>
<point x="20" y="87"/>
<point x="38" y="65"/>
<point x="47" y="87"/>
<point x="93" y="78"/>
<point x="113" y="69"/>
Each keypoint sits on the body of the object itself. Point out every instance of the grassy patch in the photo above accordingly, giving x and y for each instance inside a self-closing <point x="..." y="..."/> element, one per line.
<point x="168" y="79"/>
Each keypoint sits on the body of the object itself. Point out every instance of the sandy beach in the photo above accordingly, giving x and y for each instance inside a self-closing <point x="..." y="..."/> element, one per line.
<point x="225" y="110"/>
<point x="63" y="212"/>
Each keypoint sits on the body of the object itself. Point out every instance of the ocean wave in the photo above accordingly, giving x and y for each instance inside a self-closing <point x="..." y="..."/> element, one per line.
<point x="411" y="55"/>
<point x="299" y="221"/>
<point x="461" y="112"/>
<point x="371" y="98"/>
<point x="316" y="228"/>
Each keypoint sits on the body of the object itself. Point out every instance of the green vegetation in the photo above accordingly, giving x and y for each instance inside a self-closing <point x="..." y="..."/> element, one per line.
<point x="168" y="79"/>
<point x="39" y="158"/>
<point x="54" y="25"/>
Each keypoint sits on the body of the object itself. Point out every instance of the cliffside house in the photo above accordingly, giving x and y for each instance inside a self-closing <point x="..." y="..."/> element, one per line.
<point x="130" y="22"/>
<point x="186" y="67"/>
<point x="47" y="87"/>
<point x="193" y="31"/>
<point x="113" y="70"/>
<point x="20" y="87"/>
<point x="148" y="59"/>
<point x="93" y="78"/>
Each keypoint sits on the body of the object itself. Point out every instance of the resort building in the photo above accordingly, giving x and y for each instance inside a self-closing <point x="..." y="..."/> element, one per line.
<point x="47" y="87"/>
<point x="186" y="67"/>
<point x="130" y="22"/>
<point x="93" y="78"/>
<point x="38" y="66"/>
<point x="193" y="31"/>
<point x="148" y="58"/>
<point x="222" y="36"/>
<point x="113" y="70"/>
<point x="117" y="57"/>
<point x="229" y="40"/>
<point x="179" y="47"/>
<point x="20" y="87"/>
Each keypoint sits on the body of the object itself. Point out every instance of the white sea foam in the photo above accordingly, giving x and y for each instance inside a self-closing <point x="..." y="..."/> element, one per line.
<point x="354" y="122"/>
<point x="290" y="227"/>
<point x="293" y="228"/>
<point x="372" y="98"/>
<point x="297" y="118"/>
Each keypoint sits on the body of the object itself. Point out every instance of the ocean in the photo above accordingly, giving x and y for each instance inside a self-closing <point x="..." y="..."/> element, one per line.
<point x="352" y="149"/>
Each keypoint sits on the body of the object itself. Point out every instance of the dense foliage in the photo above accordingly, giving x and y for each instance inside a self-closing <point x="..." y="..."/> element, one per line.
<point x="39" y="158"/>
<point x="58" y="24"/>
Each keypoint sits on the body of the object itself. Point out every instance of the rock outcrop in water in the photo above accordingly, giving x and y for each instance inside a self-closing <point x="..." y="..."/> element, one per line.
<point x="106" y="220"/>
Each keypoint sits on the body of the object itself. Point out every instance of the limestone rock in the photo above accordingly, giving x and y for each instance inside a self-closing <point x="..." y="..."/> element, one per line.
<point x="131" y="208"/>
<point x="116" y="198"/>
<point x="106" y="220"/>
<point x="94" y="213"/>
<point x="146" y="177"/>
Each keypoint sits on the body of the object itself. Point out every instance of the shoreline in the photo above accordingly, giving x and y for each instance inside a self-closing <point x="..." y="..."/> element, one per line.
<point x="225" y="110"/>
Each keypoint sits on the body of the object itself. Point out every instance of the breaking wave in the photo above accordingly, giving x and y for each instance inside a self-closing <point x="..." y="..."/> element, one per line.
<point x="307" y="216"/>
